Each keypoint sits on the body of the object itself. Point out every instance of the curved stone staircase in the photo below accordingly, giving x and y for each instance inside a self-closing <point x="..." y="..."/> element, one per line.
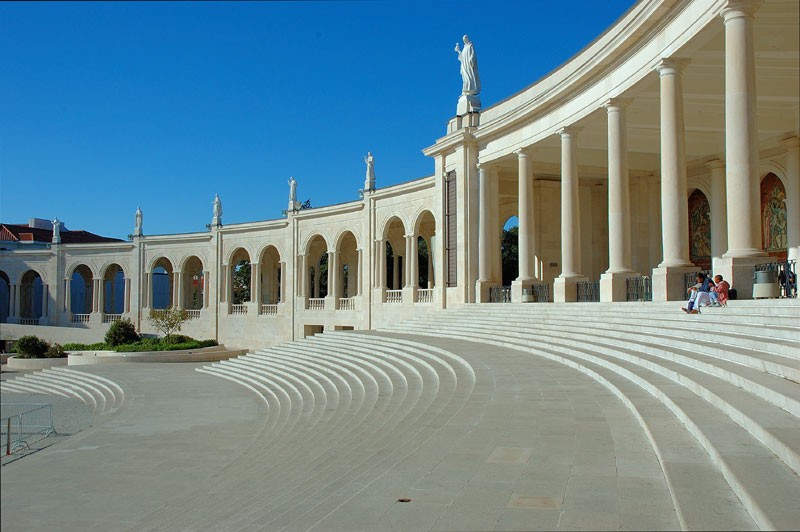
<point x="103" y="395"/>
<point x="717" y="393"/>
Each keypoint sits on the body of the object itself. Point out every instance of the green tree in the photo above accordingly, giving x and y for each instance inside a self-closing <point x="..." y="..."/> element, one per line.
<point x="241" y="282"/>
<point x="168" y="321"/>
<point x="510" y="254"/>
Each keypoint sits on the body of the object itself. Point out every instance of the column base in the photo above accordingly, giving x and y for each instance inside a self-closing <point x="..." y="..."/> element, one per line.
<point x="565" y="289"/>
<point x="517" y="289"/>
<point x="482" y="289"/>
<point x="614" y="286"/>
<point x="738" y="271"/>
<point x="669" y="284"/>
<point x="409" y="295"/>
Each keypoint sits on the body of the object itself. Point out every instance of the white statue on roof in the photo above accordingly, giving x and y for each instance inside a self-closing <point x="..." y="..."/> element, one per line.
<point x="369" y="182"/>
<point x="137" y="228"/>
<point x="470" y="80"/>
<point x="217" y="220"/>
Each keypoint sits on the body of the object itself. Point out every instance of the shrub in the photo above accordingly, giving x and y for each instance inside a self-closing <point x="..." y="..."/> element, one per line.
<point x="121" y="332"/>
<point x="31" y="347"/>
<point x="55" y="351"/>
<point x="169" y="320"/>
<point x="99" y="346"/>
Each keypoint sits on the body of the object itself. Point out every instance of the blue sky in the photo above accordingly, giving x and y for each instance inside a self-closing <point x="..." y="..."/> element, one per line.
<point x="106" y="106"/>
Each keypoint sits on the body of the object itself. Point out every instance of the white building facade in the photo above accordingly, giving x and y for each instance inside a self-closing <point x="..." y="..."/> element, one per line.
<point x="667" y="146"/>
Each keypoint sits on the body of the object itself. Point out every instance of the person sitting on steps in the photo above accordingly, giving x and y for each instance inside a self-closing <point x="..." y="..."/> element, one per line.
<point x="698" y="294"/>
<point x="719" y="292"/>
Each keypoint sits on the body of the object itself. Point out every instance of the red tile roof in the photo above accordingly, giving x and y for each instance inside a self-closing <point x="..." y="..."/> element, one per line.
<point x="23" y="233"/>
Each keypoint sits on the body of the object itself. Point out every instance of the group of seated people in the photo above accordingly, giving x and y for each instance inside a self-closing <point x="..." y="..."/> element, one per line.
<point x="705" y="292"/>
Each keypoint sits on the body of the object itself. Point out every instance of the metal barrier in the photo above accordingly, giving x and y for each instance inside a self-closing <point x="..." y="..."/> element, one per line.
<point x="588" y="291"/>
<point x="639" y="288"/>
<point x="500" y="294"/>
<point x="786" y="273"/>
<point x="425" y="295"/>
<point x="394" y="296"/>
<point x="28" y="421"/>
<point x="690" y="278"/>
<point x="537" y="293"/>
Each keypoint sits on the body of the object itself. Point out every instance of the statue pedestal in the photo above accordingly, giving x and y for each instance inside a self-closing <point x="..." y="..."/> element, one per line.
<point x="468" y="103"/>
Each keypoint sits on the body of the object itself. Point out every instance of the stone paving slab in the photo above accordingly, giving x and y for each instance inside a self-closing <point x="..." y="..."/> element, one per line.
<point x="536" y="446"/>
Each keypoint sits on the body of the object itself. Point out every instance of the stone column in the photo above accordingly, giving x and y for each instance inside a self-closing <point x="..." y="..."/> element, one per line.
<point x="316" y="269"/>
<point x="177" y="289"/>
<point x="333" y="276"/>
<point x="45" y="301"/>
<point x="381" y="264"/>
<point x="359" y="276"/>
<point x="395" y="270"/>
<point x="668" y="283"/>
<point x="719" y="209"/>
<point x="526" y="226"/>
<point x="67" y="298"/>
<point x="487" y="178"/>
<point x="255" y="282"/>
<point x="303" y="277"/>
<point x="127" y="296"/>
<point x="792" y="185"/>
<point x="613" y="283"/>
<point x="566" y="284"/>
<point x="741" y="132"/>
<point x="431" y="280"/>
<point x="14" y="299"/>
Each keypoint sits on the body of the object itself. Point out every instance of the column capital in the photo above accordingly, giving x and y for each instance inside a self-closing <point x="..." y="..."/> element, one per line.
<point x="791" y="142"/>
<point x="739" y="8"/>
<point x="616" y="104"/>
<point x="569" y="131"/>
<point x="670" y="66"/>
<point x="521" y="153"/>
<point x="716" y="163"/>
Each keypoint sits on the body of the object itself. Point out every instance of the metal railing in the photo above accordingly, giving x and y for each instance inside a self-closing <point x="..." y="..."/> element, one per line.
<point x="269" y="309"/>
<point x="690" y="278"/>
<point x="588" y="291"/>
<point x="239" y="310"/>
<point x="315" y="303"/>
<point x="394" y="296"/>
<point x="786" y="274"/>
<point x="425" y="295"/>
<point x="29" y="321"/>
<point x="193" y="314"/>
<point x="80" y="318"/>
<point x="537" y="293"/>
<point x="347" y="303"/>
<point x="111" y="318"/>
<point x="639" y="288"/>
<point x="23" y="422"/>
<point x="499" y="294"/>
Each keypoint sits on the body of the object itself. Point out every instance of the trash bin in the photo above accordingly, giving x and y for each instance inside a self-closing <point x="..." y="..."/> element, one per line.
<point x="766" y="277"/>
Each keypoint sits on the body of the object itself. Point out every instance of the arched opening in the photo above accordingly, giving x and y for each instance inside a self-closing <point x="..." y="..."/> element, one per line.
<point x="773" y="217"/>
<point x="394" y="236"/>
<point x="346" y="282"/>
<point x="317" y="274"/>
<point x="81" y="291"/>
<point x="114" y="290"/>
<point x="31" y="291"/>
<point x="161" y="284"/>
<point x="509" y="251"/>
<point x="194" y="284"/>
<point x="425" y="229"/>
<point x="241" y="277"/>
<point x="5" y="296"/>
<point x="699" y="230"/>
<point x="270" y="276"/>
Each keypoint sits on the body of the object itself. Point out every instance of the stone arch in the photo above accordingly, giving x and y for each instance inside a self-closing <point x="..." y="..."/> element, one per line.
<point x="699" y="229"/>
<point x="5" y="296"/>
<point x="113" y="289"/>
<point x="270" y="275"/>
<point x="347" y="265"/>
<point x="773" y="217"/>
<point x="162" y="278"/>
<point x="31" y="295"/>
<point x="76" y="265"/>
<point x="240" y="276"/>
<point x="394" y="232"/>
<point x="194" y="283"/>
<point x="316" y="249"/>
<point x="81" y="289"/>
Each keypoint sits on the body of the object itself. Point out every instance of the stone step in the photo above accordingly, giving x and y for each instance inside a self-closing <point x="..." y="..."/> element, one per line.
<point x="732" y="449"/>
